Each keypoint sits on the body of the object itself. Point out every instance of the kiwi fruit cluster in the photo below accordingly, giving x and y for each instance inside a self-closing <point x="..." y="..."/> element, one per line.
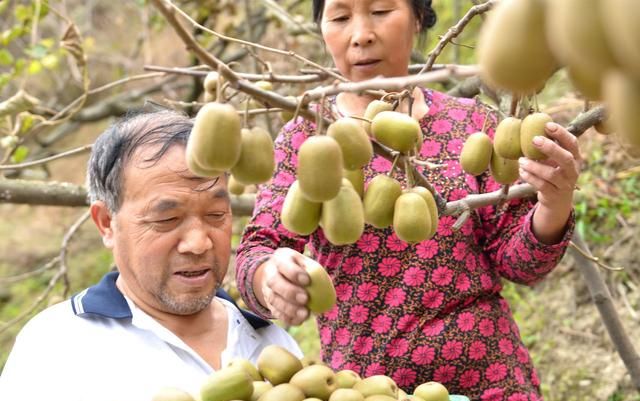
<point x="597" y="41"/>
<point x="279" y="375"/>
<point x="513" y="139"/>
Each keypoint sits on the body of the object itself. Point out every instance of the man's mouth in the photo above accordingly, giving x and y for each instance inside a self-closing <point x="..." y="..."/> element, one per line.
<point x="366" y="62"/>
<point x="192" y="273"/>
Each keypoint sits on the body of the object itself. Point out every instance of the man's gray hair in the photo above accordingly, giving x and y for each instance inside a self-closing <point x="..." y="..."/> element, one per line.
<point x="115" y="146"/>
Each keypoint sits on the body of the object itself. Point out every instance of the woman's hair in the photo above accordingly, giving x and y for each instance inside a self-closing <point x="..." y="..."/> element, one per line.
<point x="422" y="10"/>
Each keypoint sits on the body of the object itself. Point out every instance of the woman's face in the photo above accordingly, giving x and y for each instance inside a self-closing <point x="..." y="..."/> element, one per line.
<point x="367" y="38"/>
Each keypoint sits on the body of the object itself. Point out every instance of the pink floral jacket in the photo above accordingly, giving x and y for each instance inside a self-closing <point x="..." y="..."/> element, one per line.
<point x="429" y="311"/>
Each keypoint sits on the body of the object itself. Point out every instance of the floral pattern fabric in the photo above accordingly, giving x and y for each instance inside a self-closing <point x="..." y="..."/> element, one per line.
<point x="426" y="311"/>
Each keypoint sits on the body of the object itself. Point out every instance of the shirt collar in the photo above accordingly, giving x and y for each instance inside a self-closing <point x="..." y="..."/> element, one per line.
<point x="105" y="299"/>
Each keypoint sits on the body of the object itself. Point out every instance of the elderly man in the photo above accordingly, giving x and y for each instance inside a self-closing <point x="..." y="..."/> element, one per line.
<point x="161" y="319"/>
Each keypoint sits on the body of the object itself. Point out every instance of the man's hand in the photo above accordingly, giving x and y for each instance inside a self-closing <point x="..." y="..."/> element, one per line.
<point x="280" y="282"/>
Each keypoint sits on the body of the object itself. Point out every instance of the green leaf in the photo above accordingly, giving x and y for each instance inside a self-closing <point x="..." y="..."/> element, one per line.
<point x="23" y="13"/>
<point x="20" y="154"/>
<point x="35" y="67"/>
<point x="4" y="79"/>
<point x="50" y="61"/>
<point x="48" y="42"/>
<point x="5" y="57"/>
<point x="4" y="4"/>
<point x="37" y="52"/>
<point x="10" y="34"/>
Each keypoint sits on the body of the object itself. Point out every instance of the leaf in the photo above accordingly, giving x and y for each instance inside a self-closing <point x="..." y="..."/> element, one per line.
<point x="20" y="154"/>
<point x="37" y="51"/>
<point x="34" y="67"/>
<point x="18" y="103"/>
<point x="50" y="61"/>
<point x="4" y="79"/>
<point x="5" y="125"/>
<point x="10" y="34"/>
<point x="4" y="4"/>
<point x="23" y="13"/>
<point x="5" y="57"/>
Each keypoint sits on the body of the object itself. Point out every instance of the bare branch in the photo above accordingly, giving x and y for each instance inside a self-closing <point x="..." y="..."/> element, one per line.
<point x="456" y="30"/>
<point x="72" y="152"/>
<point x="42" y="193"/>
<point x="296" y="79"/>
<point x="393" y="84"/>
<point x="608" y="313"/>
<point x="61" y="273"/>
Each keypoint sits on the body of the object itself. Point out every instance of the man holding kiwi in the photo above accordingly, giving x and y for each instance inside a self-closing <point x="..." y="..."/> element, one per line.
<point x="161" y="319"/>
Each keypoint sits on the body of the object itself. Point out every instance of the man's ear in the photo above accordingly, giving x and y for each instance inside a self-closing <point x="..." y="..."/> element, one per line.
<point x="102" y="218"/>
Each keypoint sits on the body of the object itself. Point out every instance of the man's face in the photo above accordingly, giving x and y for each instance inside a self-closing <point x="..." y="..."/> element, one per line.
<point x="171" y="236"/>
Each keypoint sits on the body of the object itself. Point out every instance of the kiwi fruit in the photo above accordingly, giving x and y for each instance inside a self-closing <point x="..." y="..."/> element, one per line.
<point x="431" y="205"/>
<point x="476" y="153"/>
<point x="532" y="126"/>
<point x="342" y="218"/>
<point x="411" y="218"/>
<point x="356" y="177"/>
<point x="396" y="130"/>
<point x="322" y="294"/>
<point x="215" y="141"/>
<point x="373" y="108"/>
<point x="320" y="168"/>
<point x="513" y="52"/>
<point x="227" y="384"/>
<point x="354" y="142"/>
<point x="256" y="163"/>
<point x="277" y="364"/>
<point x="506" y="141"/>
<point x="504" y="171"/>
<point x="379" y="200"/>
<point x="299" y="215"/>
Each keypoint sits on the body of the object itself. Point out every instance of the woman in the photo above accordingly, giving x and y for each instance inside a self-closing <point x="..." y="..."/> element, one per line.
<point x="433" y="310"/>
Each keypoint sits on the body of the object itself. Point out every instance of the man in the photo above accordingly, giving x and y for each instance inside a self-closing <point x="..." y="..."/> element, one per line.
<point x="160" y="320"/>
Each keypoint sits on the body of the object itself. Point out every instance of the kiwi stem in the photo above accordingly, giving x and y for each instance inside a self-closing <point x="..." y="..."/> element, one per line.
<point x="320" y="120"/>
<point x="463" y="218"/>
<point x="514" y="105"/>
<point x="486" y="118"/>
<point x="220" y="82"/>
<point x="393" y="165"/>
<point x="408" y="173"/>
<point x="360" y="118"/>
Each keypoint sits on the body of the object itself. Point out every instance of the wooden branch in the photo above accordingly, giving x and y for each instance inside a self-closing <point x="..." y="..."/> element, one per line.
<point x="283" y="78"/>
<point x="602" y="299"/>
<point x="586" y="120"/>
<point x="42" y="193"/>
<point x="65" y="194"/>
<point x="393" y="84"/>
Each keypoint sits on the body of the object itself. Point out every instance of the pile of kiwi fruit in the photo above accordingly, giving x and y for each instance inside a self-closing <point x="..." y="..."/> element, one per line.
<point x="279" y="375"/>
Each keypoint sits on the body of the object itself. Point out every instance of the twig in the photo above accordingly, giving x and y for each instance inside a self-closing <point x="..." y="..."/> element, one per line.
<point x="72" y="152"/>
<point x="296" y="79"/>
<point x="61" y="273"/>
<point x="393" y="84"/>
<point x="23" y="276"/>
<point x="243" y="42"/>
<point x="592" y="258"/>
<point x="454" y="31"/>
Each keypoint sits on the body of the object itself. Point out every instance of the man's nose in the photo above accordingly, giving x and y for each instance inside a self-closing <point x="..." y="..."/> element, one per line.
<point x="196" y="239"/>
<point x="363" y="33"/>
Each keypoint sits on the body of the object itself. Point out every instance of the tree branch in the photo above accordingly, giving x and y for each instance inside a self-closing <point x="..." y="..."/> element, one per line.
<point x="602" y="299"/>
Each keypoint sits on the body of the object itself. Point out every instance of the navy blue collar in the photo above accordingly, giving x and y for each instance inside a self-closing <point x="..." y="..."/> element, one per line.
<point x="105" y="299"/>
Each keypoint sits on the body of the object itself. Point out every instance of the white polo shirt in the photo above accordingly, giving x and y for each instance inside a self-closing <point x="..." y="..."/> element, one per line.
<point x="98" y="346"/>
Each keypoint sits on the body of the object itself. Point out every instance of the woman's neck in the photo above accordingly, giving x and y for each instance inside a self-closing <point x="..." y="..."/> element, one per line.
<point x="352" y="104"/>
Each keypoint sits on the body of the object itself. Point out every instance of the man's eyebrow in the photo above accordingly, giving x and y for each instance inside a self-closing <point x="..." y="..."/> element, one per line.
<point x="164" y="205"/>
<point x="221" y="193"/>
